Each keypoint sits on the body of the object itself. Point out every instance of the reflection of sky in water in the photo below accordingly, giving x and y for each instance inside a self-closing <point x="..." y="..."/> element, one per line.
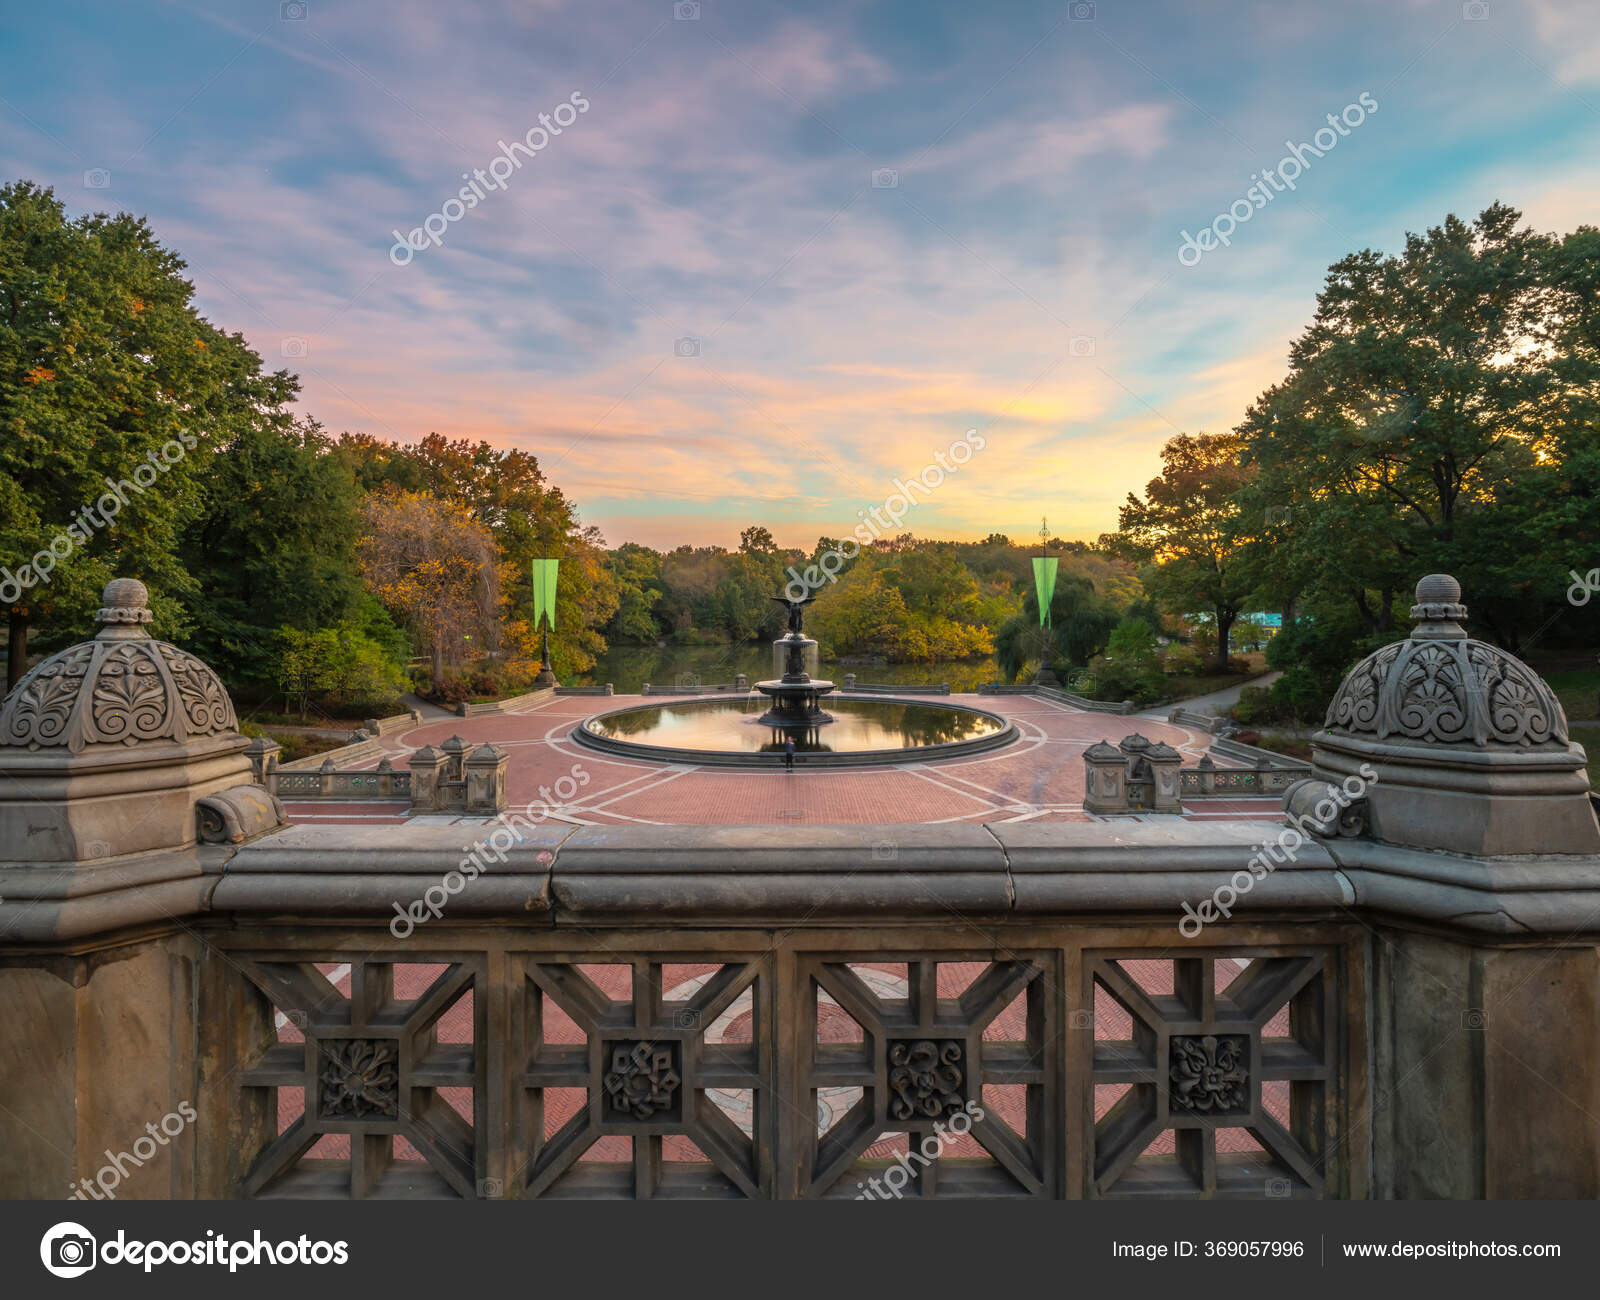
<point x="731" y="726"/>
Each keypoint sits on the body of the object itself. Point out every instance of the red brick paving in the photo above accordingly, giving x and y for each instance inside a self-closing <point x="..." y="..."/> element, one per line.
<point x="1038" y="778"/>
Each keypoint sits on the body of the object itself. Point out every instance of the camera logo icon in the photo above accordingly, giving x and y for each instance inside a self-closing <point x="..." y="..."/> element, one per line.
<point x="1475" y="11"/>
<point x="292" y="11"/>
<point x="1279" y="1189"/>
<point x="885" y="851"/>
<point x="686" y="1018"/>
<point x="68" y="1250"/>
<point x="1081" y="1019"/>
<point x="690" y="680"/>
<point x="292" y="347"/>
<point x="1474" y="1019"/>
<point x="1080" y="346"/>
<point x="96" y="178"/>
<point x="687" y="346"/>
<point x="490" y="1189"/>
<point x="686" y="11"/>
<point x="1081" y="10"/>
<point x="885" y="178"/>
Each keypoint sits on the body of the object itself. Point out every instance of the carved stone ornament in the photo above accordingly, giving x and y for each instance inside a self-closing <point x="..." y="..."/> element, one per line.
<point x="360" y="1078"/>
<point x="123" y="687"/>
<point x="1208" y="1074"/>
<point x="927" y="1079"/>
<point x="1438" y="686"/>
<point x="643" y="1079"/>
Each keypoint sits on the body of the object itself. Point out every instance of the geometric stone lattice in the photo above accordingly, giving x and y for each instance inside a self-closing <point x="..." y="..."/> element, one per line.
<point x="952" y="1054"/>
<point x="1211" y="1074"/>
<point x="642" y="1067"/>
<point x="376" y="1075"/>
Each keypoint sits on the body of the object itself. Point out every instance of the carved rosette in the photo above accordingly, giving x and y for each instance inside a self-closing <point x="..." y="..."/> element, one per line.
<point x="643" y="1079"/>
<point x="121" y="688"/>
<point x="360" y="1079"/>
<point x="927" y="1078"/>
<point x="1208" y="1074"/>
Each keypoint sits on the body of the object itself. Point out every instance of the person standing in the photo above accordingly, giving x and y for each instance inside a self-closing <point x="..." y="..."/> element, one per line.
<point x="788" y="754"/>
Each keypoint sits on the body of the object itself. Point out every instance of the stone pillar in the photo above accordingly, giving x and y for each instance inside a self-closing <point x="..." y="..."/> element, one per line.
<point x="1165" y="765"/>
<point x="1208" y="774"/>
<point x="325" y="775"/>
<point x="385" y="778"/>
<point x="1105" y="779"/>
<point x="427" y="774"/>
<point x="486" y="779"/>
<point x="455" y="752"/>
<point x="263" y="755"/>
<point x="849" y="681"/>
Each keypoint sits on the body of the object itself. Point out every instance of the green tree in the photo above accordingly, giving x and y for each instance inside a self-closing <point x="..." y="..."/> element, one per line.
<point x="1185" y="530"/>
<point x="272" y="545"/>
<point x="114" y="393"/>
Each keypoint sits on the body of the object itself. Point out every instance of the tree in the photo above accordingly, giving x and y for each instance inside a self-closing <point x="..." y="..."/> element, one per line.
<point x="1081" y="620"/>
<point x="1439" y="411"/>
<point x="272" y="545"/>
<point x="114" y="392"/>
<point x="1185" y="530"/>
<point x="436" y="568"/>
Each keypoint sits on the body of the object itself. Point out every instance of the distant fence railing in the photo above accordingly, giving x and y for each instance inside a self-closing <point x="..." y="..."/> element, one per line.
<point x="382" y="782"/>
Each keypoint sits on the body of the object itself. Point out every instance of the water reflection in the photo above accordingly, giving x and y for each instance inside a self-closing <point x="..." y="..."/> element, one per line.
<point x="731" y="726"/>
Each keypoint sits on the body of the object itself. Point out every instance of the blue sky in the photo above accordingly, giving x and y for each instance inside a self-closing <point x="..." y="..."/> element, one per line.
<point x="696" y="305"/>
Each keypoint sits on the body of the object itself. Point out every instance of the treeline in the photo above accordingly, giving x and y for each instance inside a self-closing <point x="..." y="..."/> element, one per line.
<point x="137" y="438"/>
<point x="1440" y="414"/>
<point x="902" y="600"/>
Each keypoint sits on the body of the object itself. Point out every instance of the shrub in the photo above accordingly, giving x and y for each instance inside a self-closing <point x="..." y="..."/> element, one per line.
<point x="1182" y="660"/>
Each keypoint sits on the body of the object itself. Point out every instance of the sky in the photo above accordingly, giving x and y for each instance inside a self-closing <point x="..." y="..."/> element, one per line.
<point x="770" y="257"/>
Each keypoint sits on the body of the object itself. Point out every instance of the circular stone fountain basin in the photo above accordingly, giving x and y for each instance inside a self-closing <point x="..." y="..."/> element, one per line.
<point x="728" y="730"/>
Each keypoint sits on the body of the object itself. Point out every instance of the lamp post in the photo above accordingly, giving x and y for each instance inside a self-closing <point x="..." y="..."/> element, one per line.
<point x="544" y="607"/>
<point x="1044" y="584"/>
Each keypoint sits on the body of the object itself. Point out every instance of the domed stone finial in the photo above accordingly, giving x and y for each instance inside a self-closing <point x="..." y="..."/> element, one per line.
<point x="124" y="608"/>
<point x="1438" y="610"/>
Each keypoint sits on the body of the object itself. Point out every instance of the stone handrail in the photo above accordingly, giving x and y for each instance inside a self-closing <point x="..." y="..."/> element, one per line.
<point x="508" y="705"/>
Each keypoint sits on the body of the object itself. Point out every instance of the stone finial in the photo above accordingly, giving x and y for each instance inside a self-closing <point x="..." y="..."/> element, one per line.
<point x="1438" y="610"/>
<point x="486" y="754"/>
<point x="124" y="609"/>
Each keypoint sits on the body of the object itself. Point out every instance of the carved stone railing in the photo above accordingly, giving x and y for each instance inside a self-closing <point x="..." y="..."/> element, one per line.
<point x="638" y="1012"/>
<point x="328" y="782"/>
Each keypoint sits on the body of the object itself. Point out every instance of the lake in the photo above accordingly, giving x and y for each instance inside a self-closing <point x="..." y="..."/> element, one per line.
<point x="628" y="668"/>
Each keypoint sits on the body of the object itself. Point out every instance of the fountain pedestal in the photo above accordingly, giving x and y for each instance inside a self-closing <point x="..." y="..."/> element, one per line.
<point x="795" y="695"/>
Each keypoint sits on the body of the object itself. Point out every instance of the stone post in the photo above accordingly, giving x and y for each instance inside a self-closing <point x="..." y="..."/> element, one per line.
<point x="427" y="768"/>
<point x="455" y="752"/>
<point x="486" y="779"/>
<point x="325" y="775"/>
<point x="385" y="778"/>
<point x="1105" y="779"/>
<point x="1208" y="774"/>
<point x="1165" y="766"/>
<point x="263" y="755"/>
<point x="849" y="681"/>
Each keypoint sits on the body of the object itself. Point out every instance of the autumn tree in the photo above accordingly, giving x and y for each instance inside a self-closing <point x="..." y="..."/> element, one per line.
<point x="437" y="569"/>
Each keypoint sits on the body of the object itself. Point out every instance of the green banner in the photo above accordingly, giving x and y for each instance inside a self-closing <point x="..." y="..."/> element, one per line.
<point x="1044" y="582"/>
<point x="544" y="591"/>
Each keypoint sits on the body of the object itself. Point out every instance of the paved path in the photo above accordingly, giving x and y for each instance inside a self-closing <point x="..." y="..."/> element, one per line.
<point x="428" y="710"/>
<point x="1217" y="701"/>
